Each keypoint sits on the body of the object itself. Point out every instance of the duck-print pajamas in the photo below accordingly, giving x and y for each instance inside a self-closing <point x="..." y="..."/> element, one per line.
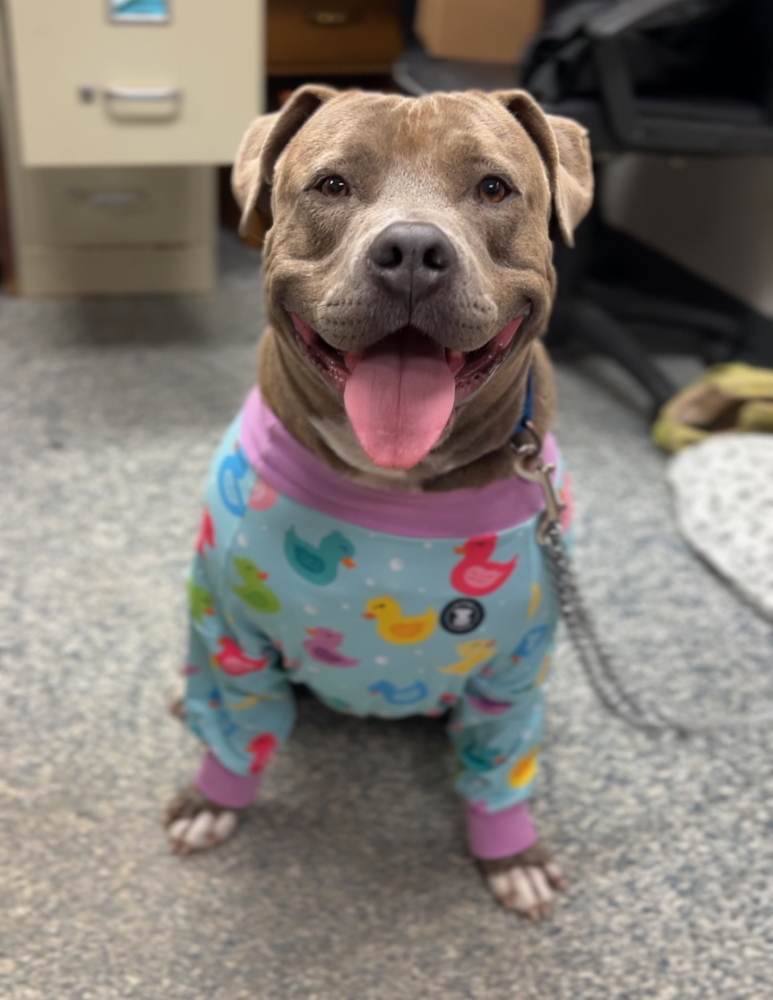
<point x="382" y="604"/>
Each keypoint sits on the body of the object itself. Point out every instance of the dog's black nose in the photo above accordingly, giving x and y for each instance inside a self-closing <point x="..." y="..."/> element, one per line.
<point x="412" y="259"/>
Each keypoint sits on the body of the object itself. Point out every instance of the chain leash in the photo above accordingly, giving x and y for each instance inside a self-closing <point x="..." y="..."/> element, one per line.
<point x="597" y="663"/>
<point x="595" y="659"/>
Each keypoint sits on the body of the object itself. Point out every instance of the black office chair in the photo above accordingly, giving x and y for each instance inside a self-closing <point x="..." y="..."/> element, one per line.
<point x="641" y="75"/>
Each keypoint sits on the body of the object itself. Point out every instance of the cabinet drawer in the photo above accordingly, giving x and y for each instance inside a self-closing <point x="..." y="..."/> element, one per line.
<point x="119" y="206"/>
<point x="332" y="36"/>
<point x="92" y="91"/>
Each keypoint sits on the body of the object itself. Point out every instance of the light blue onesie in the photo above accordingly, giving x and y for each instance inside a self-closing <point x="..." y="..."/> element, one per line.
<point x="382" y="605"/>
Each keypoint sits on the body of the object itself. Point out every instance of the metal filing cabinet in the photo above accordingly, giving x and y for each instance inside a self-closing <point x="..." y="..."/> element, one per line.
<point x="115" y="113"/>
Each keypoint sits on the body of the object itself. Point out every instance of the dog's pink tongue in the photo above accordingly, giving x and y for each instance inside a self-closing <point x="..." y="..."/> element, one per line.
<point x="399" y="398"/>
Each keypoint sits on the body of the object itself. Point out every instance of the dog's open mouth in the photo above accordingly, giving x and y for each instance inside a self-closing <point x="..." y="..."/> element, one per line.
<point x="400" y="393"/>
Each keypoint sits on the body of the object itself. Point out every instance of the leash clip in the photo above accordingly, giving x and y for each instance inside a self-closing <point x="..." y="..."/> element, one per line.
<point x="529" y="465"/>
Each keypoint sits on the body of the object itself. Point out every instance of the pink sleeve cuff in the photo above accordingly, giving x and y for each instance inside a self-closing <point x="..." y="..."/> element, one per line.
<point x="223" y="787"/>
<point x="499" y="834"/>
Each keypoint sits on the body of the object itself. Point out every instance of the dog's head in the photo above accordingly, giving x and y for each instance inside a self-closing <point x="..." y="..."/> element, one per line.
<point x="408" y="245"/>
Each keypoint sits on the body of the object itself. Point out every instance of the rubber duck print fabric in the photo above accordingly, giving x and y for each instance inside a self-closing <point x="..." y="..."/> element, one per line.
<point x="319" y="563"/>
<point x="477" y="574"/>
<point x="374" y="623"/>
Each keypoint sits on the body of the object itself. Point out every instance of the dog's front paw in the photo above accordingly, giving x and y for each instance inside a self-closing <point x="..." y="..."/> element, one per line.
<point x="194" y="823"/>
<point x="525" y="882"/>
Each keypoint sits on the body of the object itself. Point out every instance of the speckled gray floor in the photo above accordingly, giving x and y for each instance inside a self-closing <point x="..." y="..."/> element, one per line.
<point x="350" y="879"/>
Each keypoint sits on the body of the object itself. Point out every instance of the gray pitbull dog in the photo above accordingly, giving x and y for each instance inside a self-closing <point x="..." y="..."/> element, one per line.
<point x="416" y="227"/>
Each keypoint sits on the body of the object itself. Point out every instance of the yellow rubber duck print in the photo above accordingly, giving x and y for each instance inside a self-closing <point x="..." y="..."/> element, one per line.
<point x="472" y="653"/>
<point x="525" y="770"/>
<point x="253" y="699"/>
<point x="535" y="600"/>
<point x="544" y="670"/>
<point x="394" y="627"/>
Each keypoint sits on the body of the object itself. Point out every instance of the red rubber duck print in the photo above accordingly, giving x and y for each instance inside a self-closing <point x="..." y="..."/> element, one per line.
<point x="261" y="748"/>
<point x="206" y="533"/>
<point x="476" y="575"/>
<point x="233" y="661"/>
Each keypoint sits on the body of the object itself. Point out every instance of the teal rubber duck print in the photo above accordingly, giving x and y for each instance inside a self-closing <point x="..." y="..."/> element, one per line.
<point x="201" y="601"/>
<point x="481" y="759"/>
<point x="319" y="563"/>
<point x="253" y="591"/>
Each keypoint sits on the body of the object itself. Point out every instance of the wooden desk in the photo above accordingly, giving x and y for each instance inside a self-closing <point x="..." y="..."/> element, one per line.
<point x="323" y="38"/>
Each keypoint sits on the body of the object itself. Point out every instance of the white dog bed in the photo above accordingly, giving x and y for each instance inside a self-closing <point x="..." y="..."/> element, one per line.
<point x="724" y="499"/>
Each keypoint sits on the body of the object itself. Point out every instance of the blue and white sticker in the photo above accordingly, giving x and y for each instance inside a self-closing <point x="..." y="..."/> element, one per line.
<point x="132" y="11"/>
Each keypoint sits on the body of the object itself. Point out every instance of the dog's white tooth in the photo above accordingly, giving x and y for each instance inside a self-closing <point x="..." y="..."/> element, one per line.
<point x="455" y="354"/>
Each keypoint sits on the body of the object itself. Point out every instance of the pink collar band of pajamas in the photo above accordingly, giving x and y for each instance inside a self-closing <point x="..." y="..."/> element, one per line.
<point x="287" y="465"/>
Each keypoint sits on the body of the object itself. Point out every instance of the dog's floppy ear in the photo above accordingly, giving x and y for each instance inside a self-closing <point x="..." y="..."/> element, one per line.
<point x="564" y="147"/>
<point x="258" y="152"/>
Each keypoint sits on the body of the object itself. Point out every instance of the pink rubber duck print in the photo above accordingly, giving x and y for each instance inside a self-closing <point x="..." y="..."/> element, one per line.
<point x="263" y="496"/>
<point x="323" y="646"/>
<point x="206" y="532"/>
<point x="261" y="748"/>
<point x="566" y="501"/>
<point x="476" y="575"/>
<point x="233" y="661"/>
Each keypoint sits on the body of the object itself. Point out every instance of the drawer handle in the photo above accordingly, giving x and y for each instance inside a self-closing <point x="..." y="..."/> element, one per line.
<point x="108" y="199"/>
<point x="150" y="94"/>
<point x="326" y="18"/>
<point x="140" y="104"/>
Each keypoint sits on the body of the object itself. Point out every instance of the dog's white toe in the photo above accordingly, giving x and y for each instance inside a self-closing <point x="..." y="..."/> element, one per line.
<point x="225" y="824"/>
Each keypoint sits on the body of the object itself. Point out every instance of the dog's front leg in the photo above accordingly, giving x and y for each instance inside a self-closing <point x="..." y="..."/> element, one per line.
<point x="194" y="822"/>
<point x="496" y="730"/>
<point x="238" y="701"/>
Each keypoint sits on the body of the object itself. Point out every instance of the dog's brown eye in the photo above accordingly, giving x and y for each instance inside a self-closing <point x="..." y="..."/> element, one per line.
<point x="493" y="189"/>
<point x="334" y="187"/>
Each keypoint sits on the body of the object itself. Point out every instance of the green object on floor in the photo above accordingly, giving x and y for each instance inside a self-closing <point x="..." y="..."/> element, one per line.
<point x="729" y="398"/>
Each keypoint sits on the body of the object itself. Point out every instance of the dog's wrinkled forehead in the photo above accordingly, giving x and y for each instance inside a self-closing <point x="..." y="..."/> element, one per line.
<point x="432" y="145"/>
<point x="429" y="147"/>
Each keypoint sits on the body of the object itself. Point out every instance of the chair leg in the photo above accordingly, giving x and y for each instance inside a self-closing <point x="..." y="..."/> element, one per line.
<point x="597" y="329"/>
